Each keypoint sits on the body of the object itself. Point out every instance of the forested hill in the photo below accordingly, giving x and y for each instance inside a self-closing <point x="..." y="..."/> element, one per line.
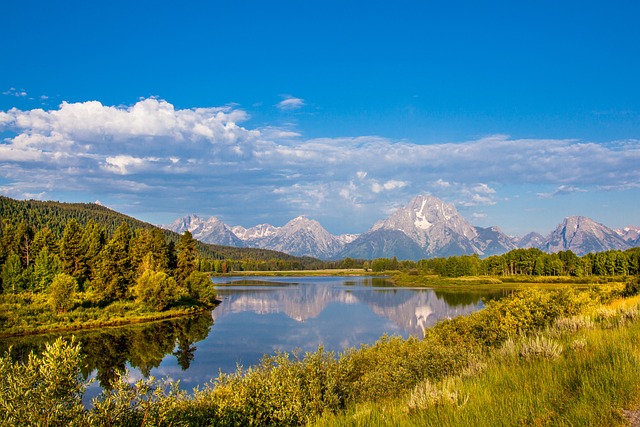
<point x="55" y="215"/>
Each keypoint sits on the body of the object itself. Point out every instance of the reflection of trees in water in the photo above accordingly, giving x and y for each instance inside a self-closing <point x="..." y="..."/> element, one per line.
<point x="458" y="298"/>
<point x="143" y="345"/>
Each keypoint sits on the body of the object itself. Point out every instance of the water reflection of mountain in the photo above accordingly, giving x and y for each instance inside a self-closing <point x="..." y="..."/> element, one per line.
<point x="412" y="310"/>
<point x="108" y="350"/>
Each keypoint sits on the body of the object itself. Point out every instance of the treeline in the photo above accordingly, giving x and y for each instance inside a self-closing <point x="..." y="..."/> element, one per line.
<point x="528" y="262"/>
<point x="136" y="264"/>
<point x="55" y="216"/>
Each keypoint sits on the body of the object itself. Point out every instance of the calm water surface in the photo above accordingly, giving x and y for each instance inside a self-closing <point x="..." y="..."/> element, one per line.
<point x="259" y="316"/>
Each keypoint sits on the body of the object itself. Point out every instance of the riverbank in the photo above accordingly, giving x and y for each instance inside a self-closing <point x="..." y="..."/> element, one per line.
<point x="303" y="273"/>
<point x="435" y="281"/>
<point x="580" y="370"/>
<point x="30" y="314"/>
<point x="532" y="358"/>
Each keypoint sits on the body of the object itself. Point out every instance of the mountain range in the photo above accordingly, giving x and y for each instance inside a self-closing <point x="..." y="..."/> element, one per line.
<point x="426" y="227"/>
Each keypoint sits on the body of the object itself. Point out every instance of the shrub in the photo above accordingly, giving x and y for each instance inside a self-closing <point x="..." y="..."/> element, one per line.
<point x="201" y="288"/>
<point x="46" y="390"/>
<point x="579" y="344"/>
<point x="62" y="292"/>
<point x="157" y="290"/>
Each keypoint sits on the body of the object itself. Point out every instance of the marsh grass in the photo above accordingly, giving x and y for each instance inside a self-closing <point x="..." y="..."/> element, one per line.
<point x="589" y="383"/>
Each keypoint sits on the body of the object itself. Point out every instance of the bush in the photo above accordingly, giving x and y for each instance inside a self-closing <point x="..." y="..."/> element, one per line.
<point x="46" y="390"/>
<point x="201" y="288"/>
<point x="632" y="286"/>
<point x="540" y="347"/>
<point x="574" y="324"/>
<point x="62" y="292"/>
<point x="157" y="290"/>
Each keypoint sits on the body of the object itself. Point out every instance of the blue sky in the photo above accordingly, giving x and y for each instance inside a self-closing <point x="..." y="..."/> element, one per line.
<point x="519" y="113"/>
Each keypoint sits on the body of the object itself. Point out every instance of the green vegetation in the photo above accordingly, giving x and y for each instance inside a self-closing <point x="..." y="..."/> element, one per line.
<point x="557" y="357"/>
<point x="522" y="262"/>
<point x="22" y="218"/>
<point x="82" y="279"/>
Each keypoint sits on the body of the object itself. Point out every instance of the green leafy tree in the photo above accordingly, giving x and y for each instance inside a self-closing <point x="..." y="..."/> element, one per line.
<point x="157" y="291"/>
<point x="62" y="292"/>
<point x="200" y="287"/>
<point x="45" y="390"/>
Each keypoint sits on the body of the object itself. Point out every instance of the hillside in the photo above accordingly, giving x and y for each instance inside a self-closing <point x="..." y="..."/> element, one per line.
<point x="55" y="215"/>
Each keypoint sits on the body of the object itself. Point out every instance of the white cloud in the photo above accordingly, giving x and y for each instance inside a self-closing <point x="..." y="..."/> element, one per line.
<point x="442" y="183"/>
<point x="20" y="93"/>
<point x="387" y="186"/>
<point x="561" y="190"/>
<point x="290" y="103"/>
<point x="153" y="152"/>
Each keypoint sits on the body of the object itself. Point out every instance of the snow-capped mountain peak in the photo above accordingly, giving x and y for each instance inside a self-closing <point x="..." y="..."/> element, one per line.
<point x="426" y="227"/>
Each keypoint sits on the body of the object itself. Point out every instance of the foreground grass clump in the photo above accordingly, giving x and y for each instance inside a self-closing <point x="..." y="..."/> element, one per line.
<point x="528" y="359"/>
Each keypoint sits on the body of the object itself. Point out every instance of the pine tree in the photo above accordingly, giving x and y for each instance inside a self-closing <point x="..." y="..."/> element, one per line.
<point x="92" y="242"/>
<point x="72" y="253"/>
<point x="113" y="276"/>
<point x="12" y="274"/>
<point x="186" y="257"/>
<point x="46" y="267"/>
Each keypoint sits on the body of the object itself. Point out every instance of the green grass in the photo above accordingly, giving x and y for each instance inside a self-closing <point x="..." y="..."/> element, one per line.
<point x="596" y="375"/>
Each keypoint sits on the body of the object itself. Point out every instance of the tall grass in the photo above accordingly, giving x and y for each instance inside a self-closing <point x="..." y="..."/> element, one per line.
<point x="585" y="385"/>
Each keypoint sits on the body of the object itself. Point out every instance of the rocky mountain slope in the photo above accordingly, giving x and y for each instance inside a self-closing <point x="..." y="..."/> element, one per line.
<point x="426" y="227"/>
<point x="211" y="230"/>
<point x="583" y="235"/>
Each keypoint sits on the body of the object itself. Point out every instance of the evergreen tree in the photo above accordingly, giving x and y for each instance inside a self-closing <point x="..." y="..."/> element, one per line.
<point x="24" y="236"/>
<point x="113" y="275"/>
<point x="46" y="266"/>
<point x="42" y="239"/>
<point x="92" y="242"/>
<point x="72" y="254"/>
<point x="186" y="257"/>
<point x="12" y="280"/>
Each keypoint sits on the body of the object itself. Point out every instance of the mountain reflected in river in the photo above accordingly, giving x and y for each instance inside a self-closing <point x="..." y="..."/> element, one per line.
<point x="411" y="310"/>
<point x="259" y="316"/>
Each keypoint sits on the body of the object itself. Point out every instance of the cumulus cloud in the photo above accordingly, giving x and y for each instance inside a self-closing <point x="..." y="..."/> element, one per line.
<point x="290" y="103"/>
<point x="387" y="186"/>
<point x="152" y="154"/>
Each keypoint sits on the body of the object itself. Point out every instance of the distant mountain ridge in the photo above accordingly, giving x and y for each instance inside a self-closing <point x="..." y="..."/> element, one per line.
<point x="426" y="227"/>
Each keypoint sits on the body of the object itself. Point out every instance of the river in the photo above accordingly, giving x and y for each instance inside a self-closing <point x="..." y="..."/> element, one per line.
<point x="262" y="315"/>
